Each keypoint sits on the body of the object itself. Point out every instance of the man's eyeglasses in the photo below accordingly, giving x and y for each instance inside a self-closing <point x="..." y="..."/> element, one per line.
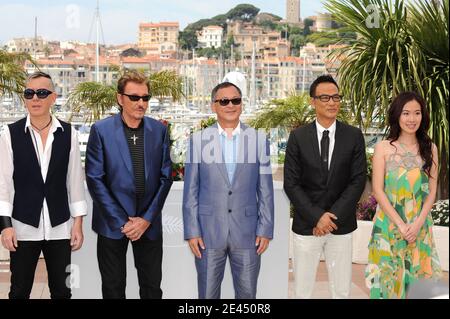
<point x="41" y="93"/>
<point x="326" y="98"/>
<point x="225" y="102"/>
<point x="136" y="98"/>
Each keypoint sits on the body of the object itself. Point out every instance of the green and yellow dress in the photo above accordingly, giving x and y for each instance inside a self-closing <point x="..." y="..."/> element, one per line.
<point x="393" y="263"/>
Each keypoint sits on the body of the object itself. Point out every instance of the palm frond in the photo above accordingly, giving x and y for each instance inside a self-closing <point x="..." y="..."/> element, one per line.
<point x="166" y="83"/>
<point x="408" y="51"/>
<point x="289" y="113"/>
<point x="92" y="99"/>
<point x="12" y="72"/>
<point x="95" y="99"/>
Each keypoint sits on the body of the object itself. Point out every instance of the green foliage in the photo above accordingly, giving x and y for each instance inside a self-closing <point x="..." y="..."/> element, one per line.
<point x="428" y="23"/>
<point x="289" y="113"/>
<point x="295" y="36"/>
<point x="230" y="41"/>
<point x="307" y="23"/>
<point x="187" y="39"/>
<point x="369" y="157"/>
<point x="293" y="112"/>
<point x="244" y="12"/>
<point x="276" y="17"/>
<point x="12" y="72"/>
<point x="95" y="99"/>
<point x="207" y="122"/>
<point x="297" y="41"/>
<point x="409" y="51"/>
<point x="206" y="52"/>
<point x="295" y="30"/>
<point x="325" y="38"/>
<point x="267" y="24"/>
<point x="131" y="52"/>
<point x="114" y="68"/>
<point x="198" y="25"/>
<point x="439" y="213"/>
<point x="166" y="83"/>
<point x="273" y="17"/>
<point x="221" y="18"/>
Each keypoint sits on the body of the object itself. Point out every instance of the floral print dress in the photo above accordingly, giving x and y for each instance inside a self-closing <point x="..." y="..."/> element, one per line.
<point x="393" y="263"/>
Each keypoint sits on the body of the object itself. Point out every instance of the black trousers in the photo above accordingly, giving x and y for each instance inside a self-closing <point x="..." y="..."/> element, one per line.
<point x="111" y="255"/>
<point x="57" y="254"/>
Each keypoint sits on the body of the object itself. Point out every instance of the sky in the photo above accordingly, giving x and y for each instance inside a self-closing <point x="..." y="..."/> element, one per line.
<point x="72" y="19"/>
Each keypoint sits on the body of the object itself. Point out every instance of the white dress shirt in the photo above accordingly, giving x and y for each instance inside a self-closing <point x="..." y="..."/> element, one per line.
<point x="236" y="130"/>
<point x="75" y="184"/>
<point x="331" y="135"/>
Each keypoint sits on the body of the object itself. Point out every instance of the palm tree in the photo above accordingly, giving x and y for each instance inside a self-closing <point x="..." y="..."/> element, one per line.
<point x="291" y="113"/>
<point x="287" y="113"/>
<point x="12" y="72"/>
<point x="407" y="51"/>
<point x="95" y="99"/>
<point x="429" y="29"/>
<point x="166" y="83"/>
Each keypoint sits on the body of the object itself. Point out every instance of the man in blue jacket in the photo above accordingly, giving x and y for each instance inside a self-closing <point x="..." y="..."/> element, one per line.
<point x="228" y="207"/>
<point x="128" y="172"/>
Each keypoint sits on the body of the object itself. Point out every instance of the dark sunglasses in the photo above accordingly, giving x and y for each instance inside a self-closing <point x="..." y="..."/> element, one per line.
<point x="136" y="98"/>
<point x="41" y="93"/>
<point x="225" y="102"/>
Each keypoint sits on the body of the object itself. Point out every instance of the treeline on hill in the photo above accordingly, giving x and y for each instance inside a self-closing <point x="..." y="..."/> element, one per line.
<point x="297" y="36"/>
<point x="188" y="37"/>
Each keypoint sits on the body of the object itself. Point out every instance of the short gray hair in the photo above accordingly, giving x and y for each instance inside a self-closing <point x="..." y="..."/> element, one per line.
<point x="40" y="74"/>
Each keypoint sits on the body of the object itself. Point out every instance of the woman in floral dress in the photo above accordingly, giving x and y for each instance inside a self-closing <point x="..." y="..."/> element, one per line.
<point x="404" y="182"/>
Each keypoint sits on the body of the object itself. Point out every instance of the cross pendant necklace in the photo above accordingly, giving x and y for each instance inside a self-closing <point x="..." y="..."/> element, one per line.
<point x="134" y="138"/>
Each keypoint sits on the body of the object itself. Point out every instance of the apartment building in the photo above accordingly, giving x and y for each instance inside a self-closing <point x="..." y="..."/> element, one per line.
<point x="156" y="38"/>
<point x="210" y="36"/>
<point x="150" y="63"/>
<point x="269" y="44"/>
<point x="27" y="45"/>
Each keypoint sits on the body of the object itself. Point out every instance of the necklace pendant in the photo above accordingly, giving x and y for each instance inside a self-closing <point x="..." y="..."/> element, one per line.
<point x="134" y="138"/>
<point x="41" y="129"/>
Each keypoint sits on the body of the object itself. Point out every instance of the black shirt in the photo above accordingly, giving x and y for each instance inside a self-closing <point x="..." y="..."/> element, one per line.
<point x="135" y="140"/>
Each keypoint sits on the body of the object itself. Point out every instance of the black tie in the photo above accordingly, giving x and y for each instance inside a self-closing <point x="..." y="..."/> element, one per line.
<point x="324" y="148"/>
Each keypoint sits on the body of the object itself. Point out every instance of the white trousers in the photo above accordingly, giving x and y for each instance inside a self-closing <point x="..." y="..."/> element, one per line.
<point x="338" y="258"/>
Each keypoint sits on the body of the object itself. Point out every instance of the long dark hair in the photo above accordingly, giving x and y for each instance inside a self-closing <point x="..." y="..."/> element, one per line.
<point x="394" y="113"/>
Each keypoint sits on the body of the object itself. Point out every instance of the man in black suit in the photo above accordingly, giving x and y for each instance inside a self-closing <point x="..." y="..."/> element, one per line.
<point x="324" y="177"/>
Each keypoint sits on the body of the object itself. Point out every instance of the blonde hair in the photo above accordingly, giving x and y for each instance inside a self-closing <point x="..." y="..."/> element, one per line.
<point x="132" y="76"/>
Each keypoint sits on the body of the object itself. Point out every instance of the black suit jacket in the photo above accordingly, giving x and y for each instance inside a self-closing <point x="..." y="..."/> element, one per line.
<point x="306" y="188"/>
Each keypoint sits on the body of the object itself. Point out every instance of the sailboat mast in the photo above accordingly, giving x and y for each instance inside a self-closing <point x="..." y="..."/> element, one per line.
<point x="97" y="44"/>
<point x="253" y="77"/>
<point x="35" y="38"/>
